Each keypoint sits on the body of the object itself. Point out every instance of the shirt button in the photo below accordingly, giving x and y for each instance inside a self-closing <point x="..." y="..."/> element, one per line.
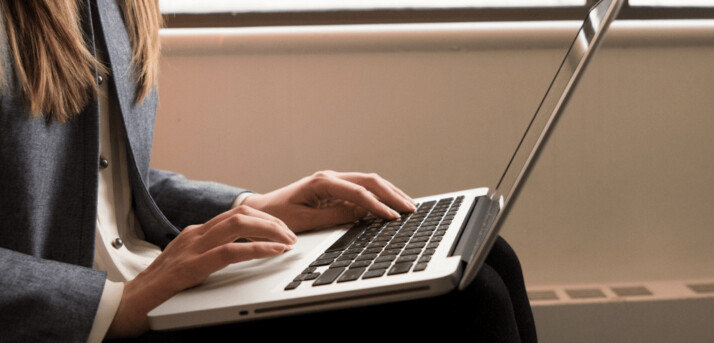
<point x="117" y="243"/>
<point x="100" y="80"/>
<point x="103" y="163"/>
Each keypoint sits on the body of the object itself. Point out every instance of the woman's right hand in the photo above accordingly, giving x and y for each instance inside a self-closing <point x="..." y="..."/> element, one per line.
<point x="192" y="256"/>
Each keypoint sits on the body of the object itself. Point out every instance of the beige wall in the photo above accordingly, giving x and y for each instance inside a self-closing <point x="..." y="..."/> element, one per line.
<point x="623" y="192"/>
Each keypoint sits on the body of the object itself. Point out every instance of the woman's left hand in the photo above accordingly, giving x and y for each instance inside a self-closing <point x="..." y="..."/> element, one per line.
<point x="329" y="198"/>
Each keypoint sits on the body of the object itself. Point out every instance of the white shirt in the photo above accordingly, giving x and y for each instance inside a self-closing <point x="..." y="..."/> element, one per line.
<point x="116" y="221"/>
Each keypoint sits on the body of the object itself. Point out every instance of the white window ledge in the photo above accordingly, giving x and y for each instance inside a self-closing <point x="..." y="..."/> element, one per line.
<point x="427" y="37"/>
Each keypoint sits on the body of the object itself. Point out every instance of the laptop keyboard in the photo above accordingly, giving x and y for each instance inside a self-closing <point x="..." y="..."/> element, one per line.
<point x="377" y="247"/>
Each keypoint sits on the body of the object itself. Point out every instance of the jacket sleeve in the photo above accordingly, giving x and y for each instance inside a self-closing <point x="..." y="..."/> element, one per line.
<point x="59" y="299"/>
<point x="186" y="202"/>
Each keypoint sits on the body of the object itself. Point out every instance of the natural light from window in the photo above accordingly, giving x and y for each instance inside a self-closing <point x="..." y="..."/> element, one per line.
<point x="223" y="6"/>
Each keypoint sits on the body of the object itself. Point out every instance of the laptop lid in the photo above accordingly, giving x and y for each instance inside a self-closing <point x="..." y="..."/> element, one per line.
<point x="586" y="42"/>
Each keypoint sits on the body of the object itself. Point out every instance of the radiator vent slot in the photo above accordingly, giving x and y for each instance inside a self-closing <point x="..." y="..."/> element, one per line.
<point x="633" y="291"/>
<point x="585" y="293"/>
<point x="542" y="295"/>
<point x="702" y="288"/>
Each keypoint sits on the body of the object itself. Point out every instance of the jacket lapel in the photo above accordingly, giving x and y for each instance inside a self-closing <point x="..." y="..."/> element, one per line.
<point x="138" y="119"/>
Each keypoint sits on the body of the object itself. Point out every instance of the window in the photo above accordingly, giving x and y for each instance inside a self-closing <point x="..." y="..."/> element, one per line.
<point x="227" y="13"/>
<point x="233" y="6"/>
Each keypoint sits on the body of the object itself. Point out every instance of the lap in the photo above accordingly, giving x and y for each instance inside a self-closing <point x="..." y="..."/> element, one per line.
<point x="487" y="310"/>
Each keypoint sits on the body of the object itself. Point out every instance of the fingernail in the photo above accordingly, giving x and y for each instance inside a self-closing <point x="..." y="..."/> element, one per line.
<point x="395" y="214"/>
<point x="288" y="248"/>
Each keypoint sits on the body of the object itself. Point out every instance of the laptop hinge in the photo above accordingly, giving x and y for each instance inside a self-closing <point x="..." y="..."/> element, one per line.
<point x="468" y="235"/>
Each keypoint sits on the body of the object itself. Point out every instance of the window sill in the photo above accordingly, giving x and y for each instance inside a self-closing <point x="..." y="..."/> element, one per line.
<point x="427" y="37"/>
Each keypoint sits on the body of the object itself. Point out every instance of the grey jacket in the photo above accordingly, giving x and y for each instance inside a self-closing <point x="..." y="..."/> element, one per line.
<point x="48" y="196"/>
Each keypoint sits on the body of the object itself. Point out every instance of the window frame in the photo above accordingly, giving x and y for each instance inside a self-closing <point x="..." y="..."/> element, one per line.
<point x="446" y="15"/>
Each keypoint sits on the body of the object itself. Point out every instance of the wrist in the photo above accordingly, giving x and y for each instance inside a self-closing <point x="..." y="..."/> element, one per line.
<point x="241" y="198"/>
<point x="253" y="200"/>
<point x="131" y="319"/>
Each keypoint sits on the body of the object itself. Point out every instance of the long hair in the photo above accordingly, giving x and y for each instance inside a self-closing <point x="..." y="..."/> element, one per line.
<point x="54" y="67"/>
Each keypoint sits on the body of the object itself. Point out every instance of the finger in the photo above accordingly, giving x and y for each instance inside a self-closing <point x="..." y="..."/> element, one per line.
<point x="221" y="256"/>
<point x="217" y="219"/>
<point x="245" y="210"/>
<point x="386" y="192"/>
<point x="329" y="216"/>
<point x="396" y="189"/>
<point x="241" y="225"/>
<point x="334" y="187"/>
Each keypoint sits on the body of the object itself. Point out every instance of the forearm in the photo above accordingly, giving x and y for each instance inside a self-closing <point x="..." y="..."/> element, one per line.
<point x="187" y="202"/>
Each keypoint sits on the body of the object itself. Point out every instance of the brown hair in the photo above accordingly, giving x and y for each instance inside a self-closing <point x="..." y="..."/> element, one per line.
<point x="53" y="65"/>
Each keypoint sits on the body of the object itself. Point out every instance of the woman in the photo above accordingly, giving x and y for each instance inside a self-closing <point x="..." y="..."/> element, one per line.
<point x="76" y="118"/>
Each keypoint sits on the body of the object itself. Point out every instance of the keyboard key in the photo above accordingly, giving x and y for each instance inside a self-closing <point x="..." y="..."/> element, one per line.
<point x="407" y="258"/>
<point x="311" y="276"/>
<point x="372" y="251"/>
<point x="419" y="239"/>
<point x="292" y="285"/>
<point x="306" y="277"/>
<point x="404" y="234"/>
<point x="400" y="268"/>
<point x="372" y="273"/>
<point x="348" y="237"/>
<point x="388" y="258"/>
<point x="419" y="267"/>
<point x="381" y="265"/>
<point x="340" y="264"/>
<point x="328" y="276"/>
<point x="366" y="257"/>
<point x="395" y="246"/>
<point x="380" y="244"/>
<point x="411" y="252"/>
<point x="360" y="264"/>
<point x="390" y="252"/>
<point x="347" y="257"/>
<point x="425" y="259"/>
<point x="320" y="263"/>
<point x="329" y="255"/>
<point x="416" y="245"/>
<point x="400" y="240"/>
<point x="351" y="274"/>
<point x="423" y="233"/>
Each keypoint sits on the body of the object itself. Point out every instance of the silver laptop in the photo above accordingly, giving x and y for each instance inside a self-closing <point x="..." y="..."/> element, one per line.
<point x="438" y="248"/>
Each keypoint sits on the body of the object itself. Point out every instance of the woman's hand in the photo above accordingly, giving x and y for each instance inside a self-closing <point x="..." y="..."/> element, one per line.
<point x="192" y="256"/>
<point x="329" y="198"/>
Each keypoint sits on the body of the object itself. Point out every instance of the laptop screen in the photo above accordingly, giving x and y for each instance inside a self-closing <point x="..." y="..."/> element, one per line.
<point x="554" y="100"/>
<point x="541" y="124"/>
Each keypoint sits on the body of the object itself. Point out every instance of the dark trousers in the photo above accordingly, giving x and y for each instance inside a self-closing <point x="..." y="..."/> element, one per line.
<point x="494" y="308"/>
